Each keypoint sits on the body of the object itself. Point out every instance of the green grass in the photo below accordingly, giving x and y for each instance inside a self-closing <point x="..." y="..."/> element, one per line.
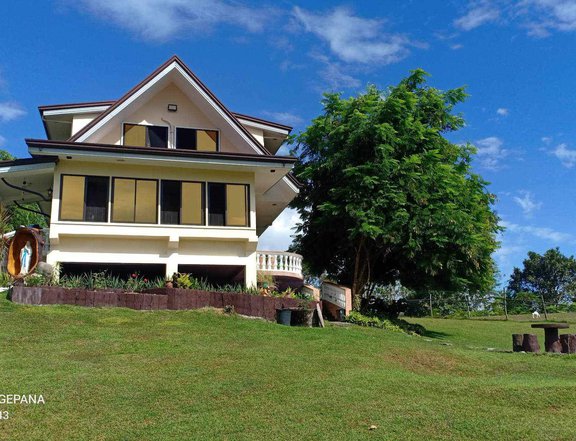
<point x="133" y="375"/>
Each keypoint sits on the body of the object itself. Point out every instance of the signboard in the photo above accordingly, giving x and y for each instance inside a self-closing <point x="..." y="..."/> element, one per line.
<point x="337" y="295"/>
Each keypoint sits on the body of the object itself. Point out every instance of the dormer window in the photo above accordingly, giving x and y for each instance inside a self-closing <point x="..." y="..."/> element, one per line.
<point x="197" y="139"/>
<point x="145" y="136"/>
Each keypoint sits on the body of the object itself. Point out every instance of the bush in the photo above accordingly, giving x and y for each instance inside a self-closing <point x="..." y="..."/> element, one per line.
<point x="383" y="323"/>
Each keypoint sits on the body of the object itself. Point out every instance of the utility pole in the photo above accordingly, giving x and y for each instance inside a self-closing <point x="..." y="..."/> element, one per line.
<point x="505" y="304"/>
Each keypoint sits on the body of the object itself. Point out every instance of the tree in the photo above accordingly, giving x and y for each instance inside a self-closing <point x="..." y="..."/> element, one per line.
<point x="386" y="197"/>
<point x="552" y="276"/>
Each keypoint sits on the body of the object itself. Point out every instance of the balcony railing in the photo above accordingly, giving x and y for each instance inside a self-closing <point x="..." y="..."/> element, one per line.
<point x="279" y="263"/>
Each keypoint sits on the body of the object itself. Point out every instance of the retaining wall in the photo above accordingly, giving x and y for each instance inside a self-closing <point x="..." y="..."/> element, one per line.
<point x="154" y="299"/>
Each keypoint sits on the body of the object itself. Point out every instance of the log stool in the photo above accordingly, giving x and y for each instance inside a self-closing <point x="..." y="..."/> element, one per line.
<point x="517" y="342"/>
<point x="530" y="343"/>
<point x="551" y="340"/>
<point x="568" y="343"/>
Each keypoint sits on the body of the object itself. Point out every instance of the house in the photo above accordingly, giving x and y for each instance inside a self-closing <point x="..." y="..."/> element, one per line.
<point x="165" y="179"/>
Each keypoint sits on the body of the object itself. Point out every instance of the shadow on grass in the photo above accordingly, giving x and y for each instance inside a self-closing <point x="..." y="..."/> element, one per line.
<point x="435" y="334"/>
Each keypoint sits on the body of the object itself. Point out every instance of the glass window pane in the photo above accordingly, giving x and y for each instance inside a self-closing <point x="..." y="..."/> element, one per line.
<point x="236" y="206"/>
<point x="123" y="200"/>
<point x="134" y="135"/>
<point x="96" y="199"/>
<point x="146" y="201"/>
<point x="206" y="140"/>
<point x="192" y="203"/>
<point x="216" y="204"/>
<point x="72" y="198"/>
<point x="186" y="139"/>
<point x="170" y="202"/>
<point x="157" y="136"/>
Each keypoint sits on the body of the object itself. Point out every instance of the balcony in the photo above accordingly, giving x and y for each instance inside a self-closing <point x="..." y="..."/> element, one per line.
<point x="280" y="264"/>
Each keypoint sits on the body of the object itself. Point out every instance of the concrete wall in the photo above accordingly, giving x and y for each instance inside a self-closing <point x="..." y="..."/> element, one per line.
<point x="171" y="245"/>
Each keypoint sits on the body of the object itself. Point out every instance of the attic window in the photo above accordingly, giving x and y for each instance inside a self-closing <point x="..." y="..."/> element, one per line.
<point x="145" y="136"/>
<point x="197" y="139"/>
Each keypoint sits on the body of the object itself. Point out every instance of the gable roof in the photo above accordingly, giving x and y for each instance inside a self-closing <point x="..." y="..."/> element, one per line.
<point x="101" y="119"/>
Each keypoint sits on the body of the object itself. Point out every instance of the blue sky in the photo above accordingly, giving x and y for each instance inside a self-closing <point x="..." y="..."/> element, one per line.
<point x="274" y="60"/>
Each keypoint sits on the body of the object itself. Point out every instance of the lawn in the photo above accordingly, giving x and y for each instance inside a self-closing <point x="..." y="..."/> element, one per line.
<point x="151" y="375"/>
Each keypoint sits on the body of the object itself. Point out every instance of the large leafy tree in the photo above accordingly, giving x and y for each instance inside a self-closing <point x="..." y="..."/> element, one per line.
<point x="551" y="275"/>
<point x="386" y="197"/>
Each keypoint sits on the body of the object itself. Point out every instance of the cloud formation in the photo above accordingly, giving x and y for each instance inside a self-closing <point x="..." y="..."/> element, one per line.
<point x="10" y="111"/>
<point x="278" y="235"/>
<point x="288" y="118"/>
<point x="490" y="152"/>
<point x="477" y="15"/>
<point x="502" y="111"/>
<point x="354" y="39"/>
<point x="162" y="20"/>
<point x="527" y="203"/>
<point x="540" y="232"/>
<point x="547" y="15"/>
<point x="566" y="156"/>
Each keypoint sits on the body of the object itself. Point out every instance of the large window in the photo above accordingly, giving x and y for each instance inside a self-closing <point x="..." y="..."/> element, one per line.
<point x="196" y="139"/>
<point x="135" y="200"/>
<point x="228" y="205"/>
<point x="84" y="198"/>
<point x="145" y="136"/>
<point x="182" y="203"/>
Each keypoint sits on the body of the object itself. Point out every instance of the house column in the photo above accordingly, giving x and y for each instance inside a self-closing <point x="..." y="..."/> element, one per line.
<point x="251" y="273"/>
<point x="172" y="263"/>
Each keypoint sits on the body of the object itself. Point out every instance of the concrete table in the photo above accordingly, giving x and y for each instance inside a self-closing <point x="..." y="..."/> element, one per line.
<point x="551" y="340"/>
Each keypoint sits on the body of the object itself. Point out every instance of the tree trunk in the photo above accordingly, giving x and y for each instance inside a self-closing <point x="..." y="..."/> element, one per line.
<point x="544" y="306"/>
<point x="356" y="283"/>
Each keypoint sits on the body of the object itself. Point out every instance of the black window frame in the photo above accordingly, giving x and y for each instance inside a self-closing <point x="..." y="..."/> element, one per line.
<point x="196" y="141"/>
<point x="146" y="125"/>
<point x="135" y="195"/>
<point x="225" y="184"/>
<point x="203" y="203"/>
<point x="107" y="178"/>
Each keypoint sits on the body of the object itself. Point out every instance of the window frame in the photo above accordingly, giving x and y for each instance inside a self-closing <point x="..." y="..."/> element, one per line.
<point x="196" y="129"/>
<point x="248" y="205"/>
<point x="145" y="125"/>
<point x="60" y="218"/>
<point x="203" y="202"/>
<point x="111" y="201"/>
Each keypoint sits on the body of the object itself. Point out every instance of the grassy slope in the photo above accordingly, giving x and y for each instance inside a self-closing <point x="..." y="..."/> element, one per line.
<point x="123" y="374"/>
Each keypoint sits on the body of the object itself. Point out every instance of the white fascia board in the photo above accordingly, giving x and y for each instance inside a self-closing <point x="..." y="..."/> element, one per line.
<point x="291" y="185"/>
<point x="152" y="82"/>
<point x="233" y="124"/>
<point x="27" y="168"/>
<point x="126" y="103"/>
<point x="160" y="159"/>
<point x="263" y="127"/>
<point x="75" y="111"/>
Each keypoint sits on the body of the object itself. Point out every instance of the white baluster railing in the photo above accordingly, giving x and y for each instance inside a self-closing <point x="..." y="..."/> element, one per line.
<point x="279" y="261"/>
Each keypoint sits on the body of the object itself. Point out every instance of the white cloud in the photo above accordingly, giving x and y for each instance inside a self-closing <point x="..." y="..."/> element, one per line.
<point x="490" y="152"/>
<point x="10" y="111"/>
<point x="162" y="20"/>
<point x="566" y="156"/>
<point x="546" y="140"/>
<point x="540" y="232"/>
<point x="478" y="14"/>
<point x="278" y="236"/>
<point x="456" y="46"/>
<point x="546" y="15"/>
<point x="502" y="111"/>
<point x="2" y="140"/>
<point x="527" y="203"/>
<point x="288" y="118"/>
<point x="354" y="39"/>
<point x="336" y="78"/>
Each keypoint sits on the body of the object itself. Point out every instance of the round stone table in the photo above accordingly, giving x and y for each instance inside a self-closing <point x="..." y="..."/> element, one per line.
<point x="551" y="340"/>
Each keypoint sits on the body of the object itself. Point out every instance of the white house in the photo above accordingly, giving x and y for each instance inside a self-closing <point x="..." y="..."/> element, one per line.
<point x="164" y="177"/>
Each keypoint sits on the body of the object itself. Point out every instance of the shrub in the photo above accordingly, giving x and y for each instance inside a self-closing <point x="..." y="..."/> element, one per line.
<point x="5" y="279"/>
<point x="382" y="323"/>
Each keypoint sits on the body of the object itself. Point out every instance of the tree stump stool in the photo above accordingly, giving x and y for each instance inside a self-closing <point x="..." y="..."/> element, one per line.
<point x="551" y="340"/>
<point x="517" y="342"/>
<point x="568" y="343"/>
<point x="530" y="343"/>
